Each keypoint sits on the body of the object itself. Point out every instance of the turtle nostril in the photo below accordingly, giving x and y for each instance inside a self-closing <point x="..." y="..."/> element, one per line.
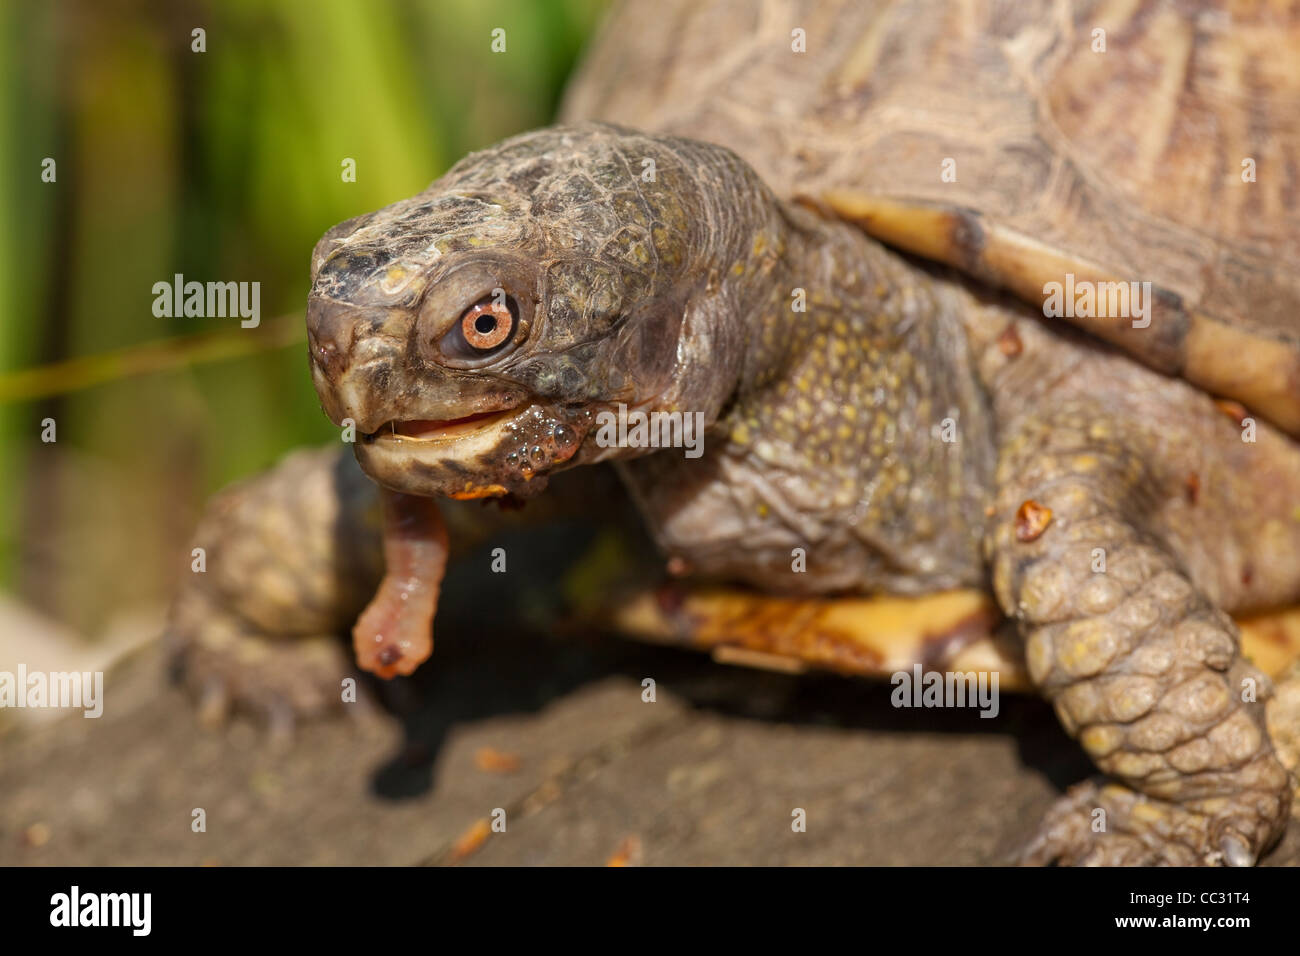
<point x="330" y="328"/>
<point x="324" y="352"/>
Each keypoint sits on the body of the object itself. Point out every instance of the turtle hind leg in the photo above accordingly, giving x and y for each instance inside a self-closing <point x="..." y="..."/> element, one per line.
<point x="282" y="564"/>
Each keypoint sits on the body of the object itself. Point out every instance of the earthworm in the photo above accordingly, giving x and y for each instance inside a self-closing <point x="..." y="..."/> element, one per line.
<point x="394" y="634"/>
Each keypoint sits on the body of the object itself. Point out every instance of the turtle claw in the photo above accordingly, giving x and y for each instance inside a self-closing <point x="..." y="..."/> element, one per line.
<point x="229" y="669"/>
<point x="1101" y="823"/>
<point x="1067" y="837"/>
<point x="213" y="708"/>
<point x="219" y="699"/>
<point x="280" y="723"/>
<point x="1235" y="851"/>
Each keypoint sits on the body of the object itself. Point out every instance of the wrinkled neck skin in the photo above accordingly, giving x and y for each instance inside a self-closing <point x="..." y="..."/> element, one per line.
<point x="731" y="256"/>
<point x="849" y="445"/>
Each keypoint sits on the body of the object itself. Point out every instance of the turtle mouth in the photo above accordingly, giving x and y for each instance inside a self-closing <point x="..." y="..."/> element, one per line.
<point x="487" y="454"/>
<point x="439" y="430"/>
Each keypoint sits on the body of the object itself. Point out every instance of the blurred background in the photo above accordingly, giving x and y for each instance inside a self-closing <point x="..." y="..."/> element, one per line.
<point x="223" y="165"/>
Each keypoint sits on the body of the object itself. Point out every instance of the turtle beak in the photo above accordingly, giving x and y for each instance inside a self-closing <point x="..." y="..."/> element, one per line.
<point x="353" y="352"/>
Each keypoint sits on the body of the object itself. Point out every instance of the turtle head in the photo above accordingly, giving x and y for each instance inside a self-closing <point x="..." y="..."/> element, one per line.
<point x="473" y="334"/>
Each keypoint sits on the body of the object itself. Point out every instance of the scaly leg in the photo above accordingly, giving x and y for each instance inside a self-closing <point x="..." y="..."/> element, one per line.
<point x="1140" y="664"/>
<point x="290" y="557"/>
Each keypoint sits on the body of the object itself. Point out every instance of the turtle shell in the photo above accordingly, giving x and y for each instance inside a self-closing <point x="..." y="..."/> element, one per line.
<point x="1023" y="143"/>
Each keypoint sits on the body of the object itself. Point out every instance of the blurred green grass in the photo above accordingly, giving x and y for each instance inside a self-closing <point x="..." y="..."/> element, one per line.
<point x="221" y="165"/>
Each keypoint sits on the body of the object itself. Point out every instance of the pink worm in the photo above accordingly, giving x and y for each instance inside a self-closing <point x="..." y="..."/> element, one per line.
<point x="394" y="634"/>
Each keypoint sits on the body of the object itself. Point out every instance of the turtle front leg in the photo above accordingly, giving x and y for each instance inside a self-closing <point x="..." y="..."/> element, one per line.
<point x="1140" y="664"/>
<point x="282" y="565"/>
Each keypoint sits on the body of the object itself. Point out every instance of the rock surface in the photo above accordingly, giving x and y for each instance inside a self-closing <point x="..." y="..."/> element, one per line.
<point x="555" y="733"/>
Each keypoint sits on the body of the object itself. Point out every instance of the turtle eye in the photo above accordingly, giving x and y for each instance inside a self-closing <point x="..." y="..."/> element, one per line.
<point x="486" y="324"/>
<point x="484" y="328"/>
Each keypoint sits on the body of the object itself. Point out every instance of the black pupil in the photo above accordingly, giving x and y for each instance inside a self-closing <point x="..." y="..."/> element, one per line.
<point x="485" y="323"/>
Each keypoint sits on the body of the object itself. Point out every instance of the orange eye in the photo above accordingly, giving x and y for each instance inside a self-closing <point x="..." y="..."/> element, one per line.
<point x="486" y="332"/>
<point x="486" y="324"/>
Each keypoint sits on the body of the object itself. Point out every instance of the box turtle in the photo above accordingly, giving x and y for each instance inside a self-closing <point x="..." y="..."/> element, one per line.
<point x="959" y="336"/>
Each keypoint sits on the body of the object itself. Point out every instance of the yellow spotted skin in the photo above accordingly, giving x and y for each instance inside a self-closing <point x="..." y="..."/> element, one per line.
<point x="857" y="431"/>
